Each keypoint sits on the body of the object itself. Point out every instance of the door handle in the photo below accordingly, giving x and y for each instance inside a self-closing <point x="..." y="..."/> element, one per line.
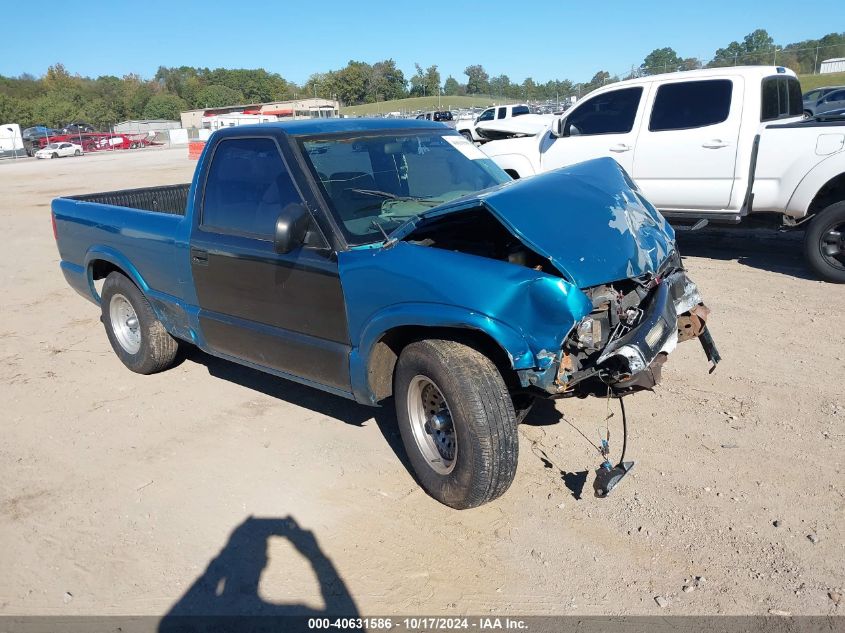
<point x="621" y="147"/>
<point x="199" y="257"/>
<point x="715" y="144"/>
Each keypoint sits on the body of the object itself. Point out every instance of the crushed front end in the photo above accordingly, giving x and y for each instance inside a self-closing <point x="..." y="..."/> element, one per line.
<point x="622" y="344"/>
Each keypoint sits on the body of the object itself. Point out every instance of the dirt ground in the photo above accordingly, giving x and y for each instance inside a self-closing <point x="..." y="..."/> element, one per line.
<point x="212" y="488"/>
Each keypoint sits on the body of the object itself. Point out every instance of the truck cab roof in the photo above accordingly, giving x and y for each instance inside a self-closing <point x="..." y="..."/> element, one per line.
<point x="315" y="127"/>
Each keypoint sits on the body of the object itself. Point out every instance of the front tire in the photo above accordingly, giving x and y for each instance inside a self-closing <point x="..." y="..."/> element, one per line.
<point x="467" y="135"/>
<point x="824" y="243"/>
<point x="457" y="422"/>
<point x="77" y="153"/>
<point x="54" y="155"/>
<point x="136" y="335"/>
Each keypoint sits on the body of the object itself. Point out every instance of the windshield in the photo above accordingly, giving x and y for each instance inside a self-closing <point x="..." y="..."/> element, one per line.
<point x="53" y="146"/>
<point x="376" y="182"/>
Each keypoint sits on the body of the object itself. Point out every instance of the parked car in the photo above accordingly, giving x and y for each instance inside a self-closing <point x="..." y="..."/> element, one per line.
<point x="831" y="100"/>
<point x="715" y="144"/>
<point x="33" y="137"/>
<point x="436" y="115"/>
<point x="59" y="150"/>
<point x="78" y="127"/>
<point x="375" y="259"/>
<point x="472" y="129"/>
<point x="811" y="97"/>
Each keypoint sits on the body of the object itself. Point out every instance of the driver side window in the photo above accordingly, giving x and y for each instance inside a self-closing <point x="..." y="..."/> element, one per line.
<point x="487" y="115"/>
<point x="608" y="113"/>
<point x="246" y="188"/>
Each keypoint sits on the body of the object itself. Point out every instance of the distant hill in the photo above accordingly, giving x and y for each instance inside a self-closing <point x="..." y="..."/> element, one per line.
<point x="808" y="82"/>
<point x="413" y="104"/>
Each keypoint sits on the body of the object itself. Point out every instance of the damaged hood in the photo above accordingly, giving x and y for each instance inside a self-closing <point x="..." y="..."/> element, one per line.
<point x="586" y="219"/>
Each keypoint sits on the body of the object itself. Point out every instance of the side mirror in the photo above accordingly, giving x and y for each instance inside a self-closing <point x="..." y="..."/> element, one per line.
<point x="291" y="227"/>
<point x="558" y="127"/>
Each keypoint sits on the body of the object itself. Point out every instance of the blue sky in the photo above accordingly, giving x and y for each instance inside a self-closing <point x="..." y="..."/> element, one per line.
<point x="543" y="40"/>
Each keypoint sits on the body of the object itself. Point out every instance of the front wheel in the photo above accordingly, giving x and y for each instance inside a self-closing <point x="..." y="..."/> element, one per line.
<point x="77" y="153"/>
<point x="467" y="135"/>
<point x="136" y="335"/>
<point x="457" y="422"/>
<point x="54" y="155"/>
<point x="824" y="243"/>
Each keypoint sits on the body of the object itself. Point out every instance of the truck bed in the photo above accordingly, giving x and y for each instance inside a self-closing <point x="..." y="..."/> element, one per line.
<point x="172" y="199"/>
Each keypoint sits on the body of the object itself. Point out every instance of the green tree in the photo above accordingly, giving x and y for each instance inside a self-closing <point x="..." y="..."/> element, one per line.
<point x="99" y="113"/>
<point x="529" y="89"/>
<point x="451" y="87"/>
<point x="386" y="82"/>
<point x="54" y="110"/>
<point x="601" y="78"/>
<point x="164" y="106"/>
<point x="15" y="111"/>
<point x="478" y="81"/>
<point x="215" y="96"/>
<point x="349" y="83"/>
<point x="757" y="48"/>
<point x="661" y="60"/>
<point x="499" y="85"/>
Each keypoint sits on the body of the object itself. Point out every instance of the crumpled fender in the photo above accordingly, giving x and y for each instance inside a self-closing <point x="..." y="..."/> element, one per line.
<point x="526" y="312"/>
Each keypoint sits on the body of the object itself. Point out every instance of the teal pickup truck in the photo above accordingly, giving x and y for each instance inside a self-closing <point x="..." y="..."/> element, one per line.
<point x="378" y="259"/>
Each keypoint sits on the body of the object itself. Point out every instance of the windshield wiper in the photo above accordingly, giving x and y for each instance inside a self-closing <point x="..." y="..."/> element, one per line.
<point x="387" y="241"/>
<point x="392" y="196"/>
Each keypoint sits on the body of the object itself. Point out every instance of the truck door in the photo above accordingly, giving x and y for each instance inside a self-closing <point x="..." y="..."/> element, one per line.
<point x="603" y="125"/>
<point x="686" y="153"/>
<point x="285" y="312"/>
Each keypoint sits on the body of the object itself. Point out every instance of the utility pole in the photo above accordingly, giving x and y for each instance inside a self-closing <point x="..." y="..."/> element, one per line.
<point x="816" y="61"/>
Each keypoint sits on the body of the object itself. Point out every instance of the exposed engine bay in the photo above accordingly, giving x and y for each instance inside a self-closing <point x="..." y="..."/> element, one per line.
<point x="476" y="232"/>
<point x="634" y="325"/>
<point x="624" y="341"/>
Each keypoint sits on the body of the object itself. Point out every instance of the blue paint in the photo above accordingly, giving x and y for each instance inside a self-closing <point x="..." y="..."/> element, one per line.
<point x="586" y="219"/>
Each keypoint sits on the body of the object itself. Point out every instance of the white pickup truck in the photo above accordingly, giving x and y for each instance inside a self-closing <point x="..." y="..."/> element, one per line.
<point x="473" y="129"/>
<point x="716" y="144"/>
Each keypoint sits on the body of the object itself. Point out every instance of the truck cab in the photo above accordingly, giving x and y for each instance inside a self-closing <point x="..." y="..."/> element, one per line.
<point x="473" y="129"/>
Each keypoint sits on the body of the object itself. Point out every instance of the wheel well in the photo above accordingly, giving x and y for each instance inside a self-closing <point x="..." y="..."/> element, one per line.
<point x="100" y="269"/>
<point x="512" y="173"/>
<point x="833" y="191"/>
<point x="386" y="351"/>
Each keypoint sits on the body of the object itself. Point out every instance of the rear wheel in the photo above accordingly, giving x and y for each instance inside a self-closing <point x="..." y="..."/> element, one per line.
<point x="457" y="422"/>
<point x="824" y="243"/>
<point x="77" y="153"/>
<point x="136" y="335"/>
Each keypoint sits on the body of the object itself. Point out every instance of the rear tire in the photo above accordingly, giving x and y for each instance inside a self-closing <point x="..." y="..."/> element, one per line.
<point x="457" y="422"/>
<point x="824" y="243"/>
<point x="136" y="335"/>
<point x="77" y="153"/>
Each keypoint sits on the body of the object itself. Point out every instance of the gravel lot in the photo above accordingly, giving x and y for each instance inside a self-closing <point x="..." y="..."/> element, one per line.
<point x="213" y="488"/>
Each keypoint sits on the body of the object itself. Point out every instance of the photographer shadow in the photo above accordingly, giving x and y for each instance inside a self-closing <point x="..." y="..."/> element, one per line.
<point x="226" y="596"/>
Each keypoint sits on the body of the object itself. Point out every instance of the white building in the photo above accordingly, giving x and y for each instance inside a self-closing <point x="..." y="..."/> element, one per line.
<point x="310" y="108"/>
<point x="233" y="119"/>
<point x="835" y="65"/>
<point x="144" y="126"/>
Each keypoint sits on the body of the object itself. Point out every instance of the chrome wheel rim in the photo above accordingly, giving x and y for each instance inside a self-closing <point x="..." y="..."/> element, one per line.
<point x="833" y="246"/>
<point x="431" y="425"/>
<point x="124" y="324"/>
